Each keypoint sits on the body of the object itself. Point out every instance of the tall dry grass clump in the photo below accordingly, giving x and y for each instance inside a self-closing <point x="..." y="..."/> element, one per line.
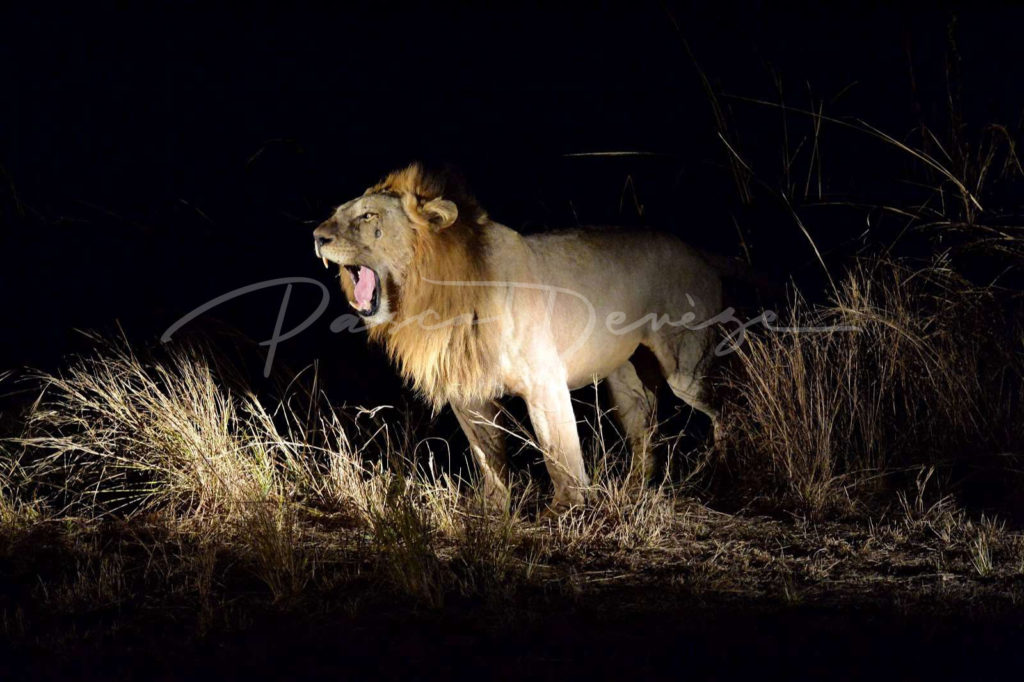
<point x="166" y="439"/>
<point x="116" y="433"/>
<point x="905" y="367"/>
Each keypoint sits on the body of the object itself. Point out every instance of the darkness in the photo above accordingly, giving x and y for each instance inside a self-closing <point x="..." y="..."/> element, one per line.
<point x="155" y="157"/>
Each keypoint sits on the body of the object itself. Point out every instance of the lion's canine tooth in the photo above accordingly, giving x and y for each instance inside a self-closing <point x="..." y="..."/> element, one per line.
<point x="326" y="264"/>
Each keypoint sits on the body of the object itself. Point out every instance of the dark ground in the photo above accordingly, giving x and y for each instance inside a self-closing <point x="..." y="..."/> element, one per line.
<point x="724" y="597"/>
<point x="619" y="633"/>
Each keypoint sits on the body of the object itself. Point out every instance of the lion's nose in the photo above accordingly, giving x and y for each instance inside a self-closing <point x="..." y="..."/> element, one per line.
<point x="321" y="240"/>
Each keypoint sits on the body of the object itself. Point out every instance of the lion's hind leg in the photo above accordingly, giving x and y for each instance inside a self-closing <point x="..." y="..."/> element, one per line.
<point x="690" y="389"/>
<point x="635" y="409"/>
<point x="683" y="359"/>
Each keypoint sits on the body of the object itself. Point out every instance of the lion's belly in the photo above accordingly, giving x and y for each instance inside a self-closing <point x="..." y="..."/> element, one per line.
<point x="592" y="360"/>
<point x="567" y="336"/>
<point x="589" y="346"/>
<point x="593" y="354"/>
<point x="598" y="364"/>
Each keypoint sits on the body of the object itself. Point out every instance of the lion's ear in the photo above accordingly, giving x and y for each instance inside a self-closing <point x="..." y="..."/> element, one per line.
<point x="441" y="213"/>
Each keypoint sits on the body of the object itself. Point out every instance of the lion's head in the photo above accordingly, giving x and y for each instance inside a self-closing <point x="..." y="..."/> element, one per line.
<point x="376" y="237"/>
<point x="413" y="245"/>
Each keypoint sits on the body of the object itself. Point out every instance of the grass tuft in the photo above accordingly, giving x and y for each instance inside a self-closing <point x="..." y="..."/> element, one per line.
<point x="904" y="368"/>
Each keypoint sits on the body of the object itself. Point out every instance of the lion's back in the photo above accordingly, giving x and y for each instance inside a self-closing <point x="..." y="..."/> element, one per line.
<point x="623" y="264"/>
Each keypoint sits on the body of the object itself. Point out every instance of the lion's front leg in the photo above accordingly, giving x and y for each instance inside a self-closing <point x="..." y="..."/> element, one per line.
<point x="487" y="441"/>
<point x="553" y="421"/>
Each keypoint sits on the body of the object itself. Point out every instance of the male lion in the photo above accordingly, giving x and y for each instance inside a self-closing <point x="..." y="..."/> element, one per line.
<point x="471" y="310"/>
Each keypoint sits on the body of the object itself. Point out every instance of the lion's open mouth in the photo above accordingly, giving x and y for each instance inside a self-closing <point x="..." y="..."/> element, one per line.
<point x="366" y="288"/>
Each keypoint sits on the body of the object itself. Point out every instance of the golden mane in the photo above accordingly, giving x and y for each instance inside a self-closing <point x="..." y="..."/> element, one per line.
<point x="434" y="336"/>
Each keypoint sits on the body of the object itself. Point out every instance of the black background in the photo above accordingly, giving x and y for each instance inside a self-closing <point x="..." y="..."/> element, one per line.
<point x="156" y="156"/>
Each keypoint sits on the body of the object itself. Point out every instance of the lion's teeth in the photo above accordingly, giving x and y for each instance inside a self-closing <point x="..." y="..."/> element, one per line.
<point x="326" y="263"/>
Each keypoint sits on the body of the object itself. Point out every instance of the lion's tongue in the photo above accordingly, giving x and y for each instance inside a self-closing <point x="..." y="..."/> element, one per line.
<point x="365" y="285"/>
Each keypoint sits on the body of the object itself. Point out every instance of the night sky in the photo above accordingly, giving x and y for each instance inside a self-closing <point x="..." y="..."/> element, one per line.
<point x="154" y="157"/>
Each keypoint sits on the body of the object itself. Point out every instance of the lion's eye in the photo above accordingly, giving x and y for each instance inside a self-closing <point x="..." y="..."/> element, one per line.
<point x="368" y="216"/>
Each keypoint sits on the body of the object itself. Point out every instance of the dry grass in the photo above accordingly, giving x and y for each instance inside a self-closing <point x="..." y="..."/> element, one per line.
<point x="930" y="377"/>
<point x="166" y="441"/>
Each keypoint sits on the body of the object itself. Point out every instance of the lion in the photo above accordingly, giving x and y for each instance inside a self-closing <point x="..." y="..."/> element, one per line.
<point x="470" y="311"/>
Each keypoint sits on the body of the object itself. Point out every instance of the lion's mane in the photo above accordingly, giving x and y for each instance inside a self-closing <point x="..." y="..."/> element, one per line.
<point x="444" y="333"/>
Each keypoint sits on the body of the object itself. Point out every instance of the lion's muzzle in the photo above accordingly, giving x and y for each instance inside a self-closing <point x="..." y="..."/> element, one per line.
<point x="320" y="240"/>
